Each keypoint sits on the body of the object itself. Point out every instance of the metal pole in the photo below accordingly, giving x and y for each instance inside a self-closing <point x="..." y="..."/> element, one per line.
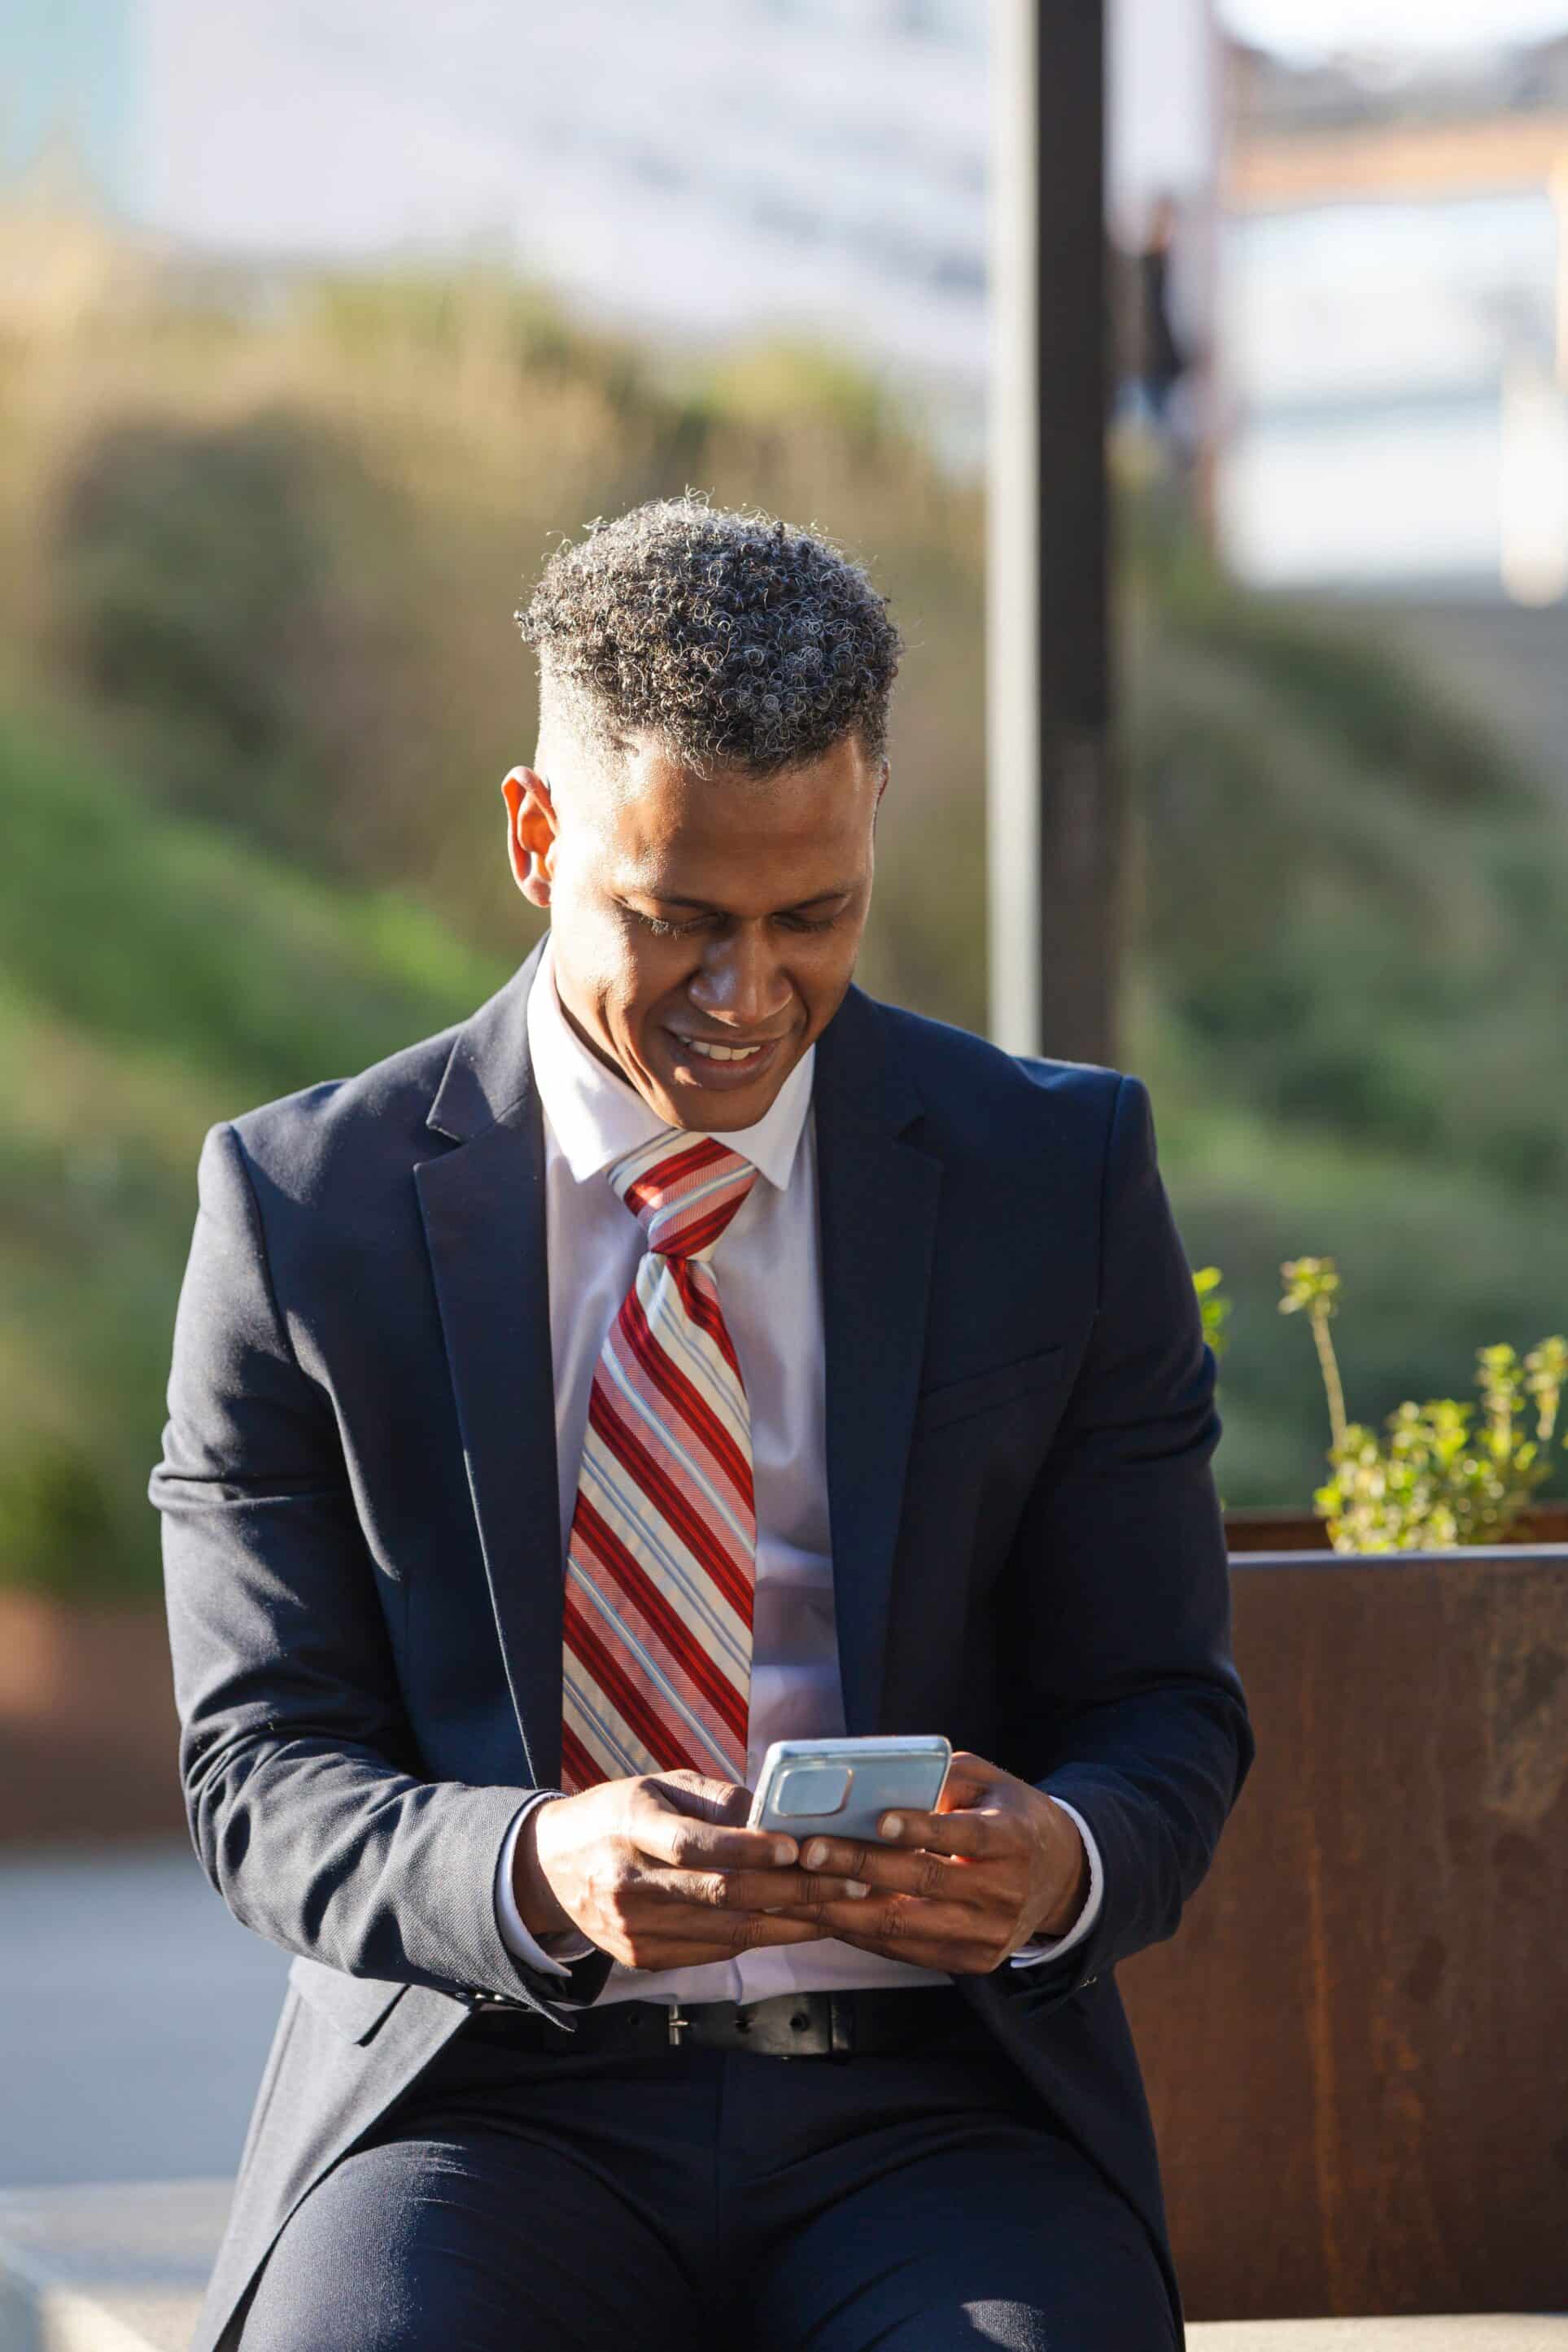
<point x="1053" y="822"/>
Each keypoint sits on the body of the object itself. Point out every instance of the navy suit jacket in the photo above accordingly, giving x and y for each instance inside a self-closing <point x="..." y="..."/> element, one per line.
<point x="362" y="1542"/>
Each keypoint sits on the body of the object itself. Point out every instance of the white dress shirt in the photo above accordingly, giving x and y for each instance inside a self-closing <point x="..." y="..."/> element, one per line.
<point x="767" y="1266"/>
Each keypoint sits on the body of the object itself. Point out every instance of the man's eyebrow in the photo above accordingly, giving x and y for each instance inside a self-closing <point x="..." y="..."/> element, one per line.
<point x="706" y="906"/>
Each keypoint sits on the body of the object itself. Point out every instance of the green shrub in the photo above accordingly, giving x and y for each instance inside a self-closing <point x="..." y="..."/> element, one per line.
<point x="56" y="1521"/>
<point x="1444" y="1475"/>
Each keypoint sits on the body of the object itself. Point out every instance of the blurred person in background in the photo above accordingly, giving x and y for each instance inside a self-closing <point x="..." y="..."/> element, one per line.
<point x="1162" y="364"/>
<point x="686" y="1352"/>
<point x="1157" y="364"/>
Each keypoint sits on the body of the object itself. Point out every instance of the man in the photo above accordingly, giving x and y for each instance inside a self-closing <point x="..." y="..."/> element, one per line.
<point x="686" y="1352"/>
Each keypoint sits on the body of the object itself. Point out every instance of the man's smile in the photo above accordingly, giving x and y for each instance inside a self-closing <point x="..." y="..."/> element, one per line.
<point x="715" y="1061"/>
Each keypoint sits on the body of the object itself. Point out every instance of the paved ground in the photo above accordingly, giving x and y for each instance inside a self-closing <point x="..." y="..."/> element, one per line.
<point x="134" y="2017"/>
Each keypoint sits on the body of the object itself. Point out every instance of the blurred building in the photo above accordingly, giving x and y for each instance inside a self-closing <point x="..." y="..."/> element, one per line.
<point x="1393" y="324"/>
<point x="71" y="92"/>
<point x="698" y="168"/>
<point x="1365" y="279"/>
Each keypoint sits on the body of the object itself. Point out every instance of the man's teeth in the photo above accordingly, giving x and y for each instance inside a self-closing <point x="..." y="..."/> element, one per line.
<point x="722" y="1053"/>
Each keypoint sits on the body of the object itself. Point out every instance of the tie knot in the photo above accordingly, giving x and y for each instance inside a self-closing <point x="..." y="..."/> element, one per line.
<point x="682" y="1190"/>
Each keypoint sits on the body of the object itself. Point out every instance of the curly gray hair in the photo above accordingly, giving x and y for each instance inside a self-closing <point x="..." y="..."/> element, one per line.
<point x="742" y="641"/>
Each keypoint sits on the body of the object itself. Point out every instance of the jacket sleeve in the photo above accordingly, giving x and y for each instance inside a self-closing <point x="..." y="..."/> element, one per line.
<point x="1125" y="1697"/>
<point x="302" y="1786"/>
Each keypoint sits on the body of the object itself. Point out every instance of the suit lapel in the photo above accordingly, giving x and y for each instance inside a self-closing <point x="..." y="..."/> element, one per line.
<point x="877" y="1197"/>
<point x="483" y="1206"/>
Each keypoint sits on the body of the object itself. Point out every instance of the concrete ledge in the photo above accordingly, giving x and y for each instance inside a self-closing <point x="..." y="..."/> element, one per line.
<point x="121" y="2269"/>
<point x="1483" y="2332"/>
<point x="117" y="2269"/>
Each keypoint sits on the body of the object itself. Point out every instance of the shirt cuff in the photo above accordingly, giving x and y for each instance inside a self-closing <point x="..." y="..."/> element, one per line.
<point x="1029" y="1956"/>
<point x="550" y="1955"/>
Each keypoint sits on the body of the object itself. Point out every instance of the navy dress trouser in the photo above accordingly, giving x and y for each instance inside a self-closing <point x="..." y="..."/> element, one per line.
<point x="630" y="2202"/>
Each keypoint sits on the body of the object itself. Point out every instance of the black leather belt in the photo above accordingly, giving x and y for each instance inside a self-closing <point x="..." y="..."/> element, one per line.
<point x="870" y="2020"/>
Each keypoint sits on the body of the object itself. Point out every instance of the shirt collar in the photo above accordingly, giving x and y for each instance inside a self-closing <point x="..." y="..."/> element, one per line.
<point x="596" y="1116"/>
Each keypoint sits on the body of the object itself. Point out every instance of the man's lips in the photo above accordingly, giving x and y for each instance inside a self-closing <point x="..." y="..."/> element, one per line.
<point x="724" y="1045"/>
<point x="740" y="1054"/>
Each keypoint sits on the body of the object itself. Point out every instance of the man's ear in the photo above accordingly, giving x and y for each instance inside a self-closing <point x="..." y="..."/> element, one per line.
<point x="530" y="833"/>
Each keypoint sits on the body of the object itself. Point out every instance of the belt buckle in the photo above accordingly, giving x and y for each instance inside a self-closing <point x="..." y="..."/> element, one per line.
<point x="679" y="2024"/>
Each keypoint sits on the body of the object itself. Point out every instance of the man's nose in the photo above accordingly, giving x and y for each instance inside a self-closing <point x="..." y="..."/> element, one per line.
<point x="740" y="981"/>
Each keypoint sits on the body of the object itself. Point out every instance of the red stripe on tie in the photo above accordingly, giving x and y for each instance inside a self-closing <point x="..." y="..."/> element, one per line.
<point x="681" y="1641"/>
<point x="705" y="1229"/>
<point x="578" y="1768"/>
<point x="650" y="1193"/>
<point x="684" y="1395"/>
<point x="704" y="1310"/>
<point x="659" y="1733"/>
<point x="655" y="1483"/>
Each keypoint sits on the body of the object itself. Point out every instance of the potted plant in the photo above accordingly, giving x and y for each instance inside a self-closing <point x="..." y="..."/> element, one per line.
<point x="1441" y="1475"/>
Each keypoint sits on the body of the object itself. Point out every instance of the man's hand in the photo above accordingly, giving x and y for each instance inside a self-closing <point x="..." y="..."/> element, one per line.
<point x="661" y="1873"/>
<point x="961" y="1888"/>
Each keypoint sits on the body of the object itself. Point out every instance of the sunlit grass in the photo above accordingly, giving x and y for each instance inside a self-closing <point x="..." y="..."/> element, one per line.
<point x="158" y="976"/>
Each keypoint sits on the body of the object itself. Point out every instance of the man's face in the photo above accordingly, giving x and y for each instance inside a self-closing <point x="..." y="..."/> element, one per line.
<point x="704" y="929"/>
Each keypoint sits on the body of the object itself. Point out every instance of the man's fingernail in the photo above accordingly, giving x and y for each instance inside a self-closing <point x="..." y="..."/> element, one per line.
<point x="892" y="1824"/>
<point x="815" y="1855"/>
<point x="856" y="1886"/>
<point x="783" y="1849"/>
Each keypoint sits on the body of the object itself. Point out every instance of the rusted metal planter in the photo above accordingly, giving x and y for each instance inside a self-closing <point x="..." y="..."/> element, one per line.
<point x="1292" y="1531"/>
<point x="88" y="1730"/>
<point x="1356" y="2046"/>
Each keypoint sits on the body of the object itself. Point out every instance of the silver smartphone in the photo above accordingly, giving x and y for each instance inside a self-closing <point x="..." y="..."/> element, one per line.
<point x="841" y="1788"/>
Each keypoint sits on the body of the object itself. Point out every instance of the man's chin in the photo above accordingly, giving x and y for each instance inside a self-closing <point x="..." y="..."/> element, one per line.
<point x="706" y="1104"/>
<point x="706" y="1113"/>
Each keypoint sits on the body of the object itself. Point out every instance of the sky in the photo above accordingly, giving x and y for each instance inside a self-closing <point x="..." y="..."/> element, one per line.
<point x="1313" y="27"/>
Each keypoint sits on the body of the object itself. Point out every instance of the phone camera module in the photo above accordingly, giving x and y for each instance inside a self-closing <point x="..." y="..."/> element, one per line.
<point x="813" y="1789"/>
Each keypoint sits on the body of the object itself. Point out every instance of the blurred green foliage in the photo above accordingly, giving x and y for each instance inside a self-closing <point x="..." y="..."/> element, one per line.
<point x="264" y="536"/>
<point x="1213" y="1306"/>
<point x="157" y="975"/>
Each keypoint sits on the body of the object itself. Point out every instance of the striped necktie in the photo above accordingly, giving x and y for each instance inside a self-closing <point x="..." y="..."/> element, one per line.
<point x="661" y="1560"/>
